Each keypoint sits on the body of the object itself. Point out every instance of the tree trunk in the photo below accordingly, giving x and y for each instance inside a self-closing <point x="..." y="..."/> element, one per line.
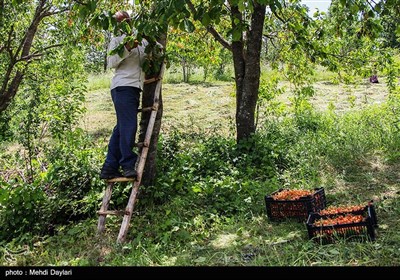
<point x="183" y="70"/>
<point x="11" y="84"/>
<point x="247" y="73"/>
<point x="246" y="52"/>
<point x="150" y="170"/>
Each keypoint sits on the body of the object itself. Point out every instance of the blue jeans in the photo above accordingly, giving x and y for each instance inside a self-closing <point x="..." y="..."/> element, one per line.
<point x="120" y="148"/>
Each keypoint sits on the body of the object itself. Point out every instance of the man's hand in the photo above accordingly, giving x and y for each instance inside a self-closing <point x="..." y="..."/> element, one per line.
<point x="131" y="45"/>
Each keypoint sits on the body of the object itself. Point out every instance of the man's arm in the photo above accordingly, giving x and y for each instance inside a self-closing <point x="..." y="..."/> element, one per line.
<point x="114" y="60"/>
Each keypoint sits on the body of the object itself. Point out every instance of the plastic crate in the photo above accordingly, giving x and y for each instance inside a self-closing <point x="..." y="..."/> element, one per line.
<point x="358" y="231"/>
<point x="278" y="210"/>
<point x="367" y="208"/>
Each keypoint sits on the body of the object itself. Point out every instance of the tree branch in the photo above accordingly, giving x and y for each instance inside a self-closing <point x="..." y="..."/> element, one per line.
<point x="192" y="8"/>
<point x="211" y="29"/>
<point x="219" y="38"/>
<point x="37" y="54"/>
<point x="80" y="3"/>
<point x="51" y="13"/>
<point x="271" y="35"/>
<point x="26" y="42"/>
<point x="342" y="57"/>
<point x="8" y="44"/>
<point x="279" y="17"/>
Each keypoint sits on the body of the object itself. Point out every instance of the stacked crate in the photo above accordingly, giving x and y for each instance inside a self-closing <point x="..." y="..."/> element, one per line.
<point x="323" y="224"/>
<point x="351" y="224"/>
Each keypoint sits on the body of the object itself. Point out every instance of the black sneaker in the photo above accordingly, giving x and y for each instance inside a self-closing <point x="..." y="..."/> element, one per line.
<point x="130" y="173"/>
<point x="107" y="172"/>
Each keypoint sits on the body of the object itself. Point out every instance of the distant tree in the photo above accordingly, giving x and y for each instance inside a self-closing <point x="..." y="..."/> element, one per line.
<point x="389" y="11"/>
<point x="193" y="49"/>
<point x="351" y="34"/>
<point x="42" y="86"/>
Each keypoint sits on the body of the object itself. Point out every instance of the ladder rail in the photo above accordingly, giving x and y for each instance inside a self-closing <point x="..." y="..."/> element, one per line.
<point x="104" y="207"/>
<point x="142" y="161"/>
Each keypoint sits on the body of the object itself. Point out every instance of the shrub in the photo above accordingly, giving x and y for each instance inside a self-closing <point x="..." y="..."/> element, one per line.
<point x="65" y="187"/>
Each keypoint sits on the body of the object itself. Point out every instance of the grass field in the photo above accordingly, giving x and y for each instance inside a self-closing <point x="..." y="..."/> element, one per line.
<point x="211" y="105"/>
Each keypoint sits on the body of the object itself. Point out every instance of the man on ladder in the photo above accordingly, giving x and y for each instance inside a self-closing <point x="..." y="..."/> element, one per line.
<point x="126" y="85"/>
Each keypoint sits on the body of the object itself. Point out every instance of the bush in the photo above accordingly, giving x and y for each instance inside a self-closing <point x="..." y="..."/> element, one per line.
<point x="73" y="177"/>
<point x="65" y="188"/>
<point x="212" y="173"/>
<point x="24" y="208"/>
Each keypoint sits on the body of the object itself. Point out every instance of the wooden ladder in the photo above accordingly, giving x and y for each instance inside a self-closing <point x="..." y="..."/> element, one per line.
<point x="140" y="168"/>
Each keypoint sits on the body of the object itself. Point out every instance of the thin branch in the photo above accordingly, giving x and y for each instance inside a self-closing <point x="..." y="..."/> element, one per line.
<point x="80" y="3"/>
<point x="28" y="58"/>
<point x="219" y="38"/>
<point x="279" y="17"/>
<point x="348" y="58"/>
<point x="52" y="46"/>
<point x="7" y="75"/>
<point x="271" y="35"/>
<point x="270" y="39"/>
<point x="37" y="54"/>
<point x="8" y="44"/>
<point x="273" y="44"/>
<point x="48" y="13"/>
<point x="211" y="29"/>
<point x="192" y="8"/>
<point x="372" y="7"/>
<point x="1" y="9"/>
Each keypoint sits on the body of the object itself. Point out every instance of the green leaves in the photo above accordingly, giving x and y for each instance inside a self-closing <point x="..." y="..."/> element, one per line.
<point x="92" y="5"/>
<point x="187" y="25"/>
<point x="154" y="59"/>
<point x="125" y="27"/>
<point x="264" y="2"/>
<point x="179" y="5"/>
<point x="275" y="5"/>
<point x="206" y="19"/>
<point x="236" y="34"/>
<point x="242" y="6"/>
<point x="101" y="21"/>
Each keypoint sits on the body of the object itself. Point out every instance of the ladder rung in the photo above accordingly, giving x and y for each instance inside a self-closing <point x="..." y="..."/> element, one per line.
<point x="151" y="80"/>
<point x="142" y="144"/>
<point x="121" y="179"/>
<point x="113" y="212"/>
<point x="147" y="109"/>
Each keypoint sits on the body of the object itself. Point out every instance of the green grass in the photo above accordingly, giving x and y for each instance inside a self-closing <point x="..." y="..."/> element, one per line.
<point x="207" y="206"/>
<point x="99" y="81"/>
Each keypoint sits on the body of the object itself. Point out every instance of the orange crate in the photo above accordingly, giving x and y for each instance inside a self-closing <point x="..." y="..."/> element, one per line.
<point x="299" y="209"/>
<point x="363" y="228"/>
